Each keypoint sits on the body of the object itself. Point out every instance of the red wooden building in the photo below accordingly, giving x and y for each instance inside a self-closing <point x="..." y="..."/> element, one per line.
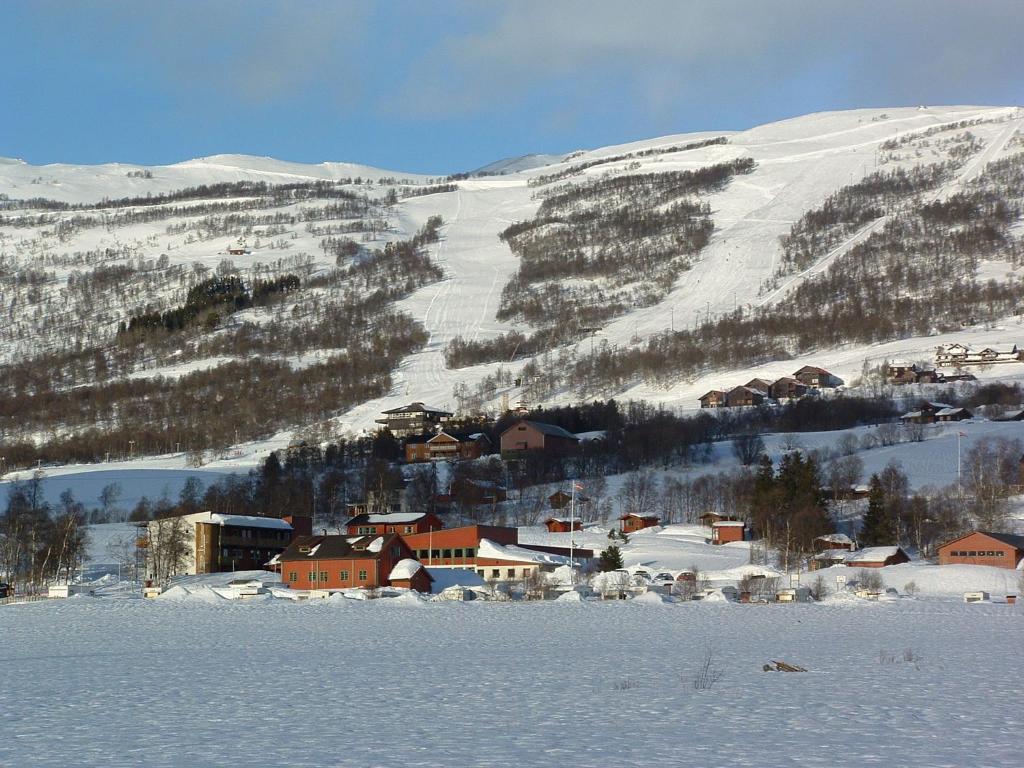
<point x="563" y="524"/>
<point x="876" y="557"/>
<point x="446" y="446"/>
<point x="999" y="550"/>
<point x="393" y="522"/>
<point x="725" y="531"/>
<point x="456" y="547"/>
<point x="339" y="562"/>
<point x="410" y="574"/>
<point x="633" y="522"/>
<point x="534" y="436"/>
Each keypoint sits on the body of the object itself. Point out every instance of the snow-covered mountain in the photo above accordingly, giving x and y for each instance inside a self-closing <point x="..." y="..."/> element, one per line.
<point x="59" y="296"/>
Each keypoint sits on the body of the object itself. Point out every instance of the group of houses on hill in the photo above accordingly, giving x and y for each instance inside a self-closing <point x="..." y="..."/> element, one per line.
<point x="806" y="381"/>
<point x="430" y="434"/>
<point x="962" y="356"/>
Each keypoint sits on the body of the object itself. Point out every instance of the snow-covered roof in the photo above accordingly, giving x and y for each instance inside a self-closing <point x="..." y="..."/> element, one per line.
<point x="239" y="521"/>
<point x="728" y="524"/>
<point x="418" y="407"/>
<point x="393" y="517"/>
<point x="950" y="411"/>
<point x="835" y="538"/>
<point x="872" y="554"/>
<point x="833" y="555"/>
<point x="510" y="552"/>
<point x="405" y="569"/>
<point x="375" y="545"/>
<point x="551" y="430"/>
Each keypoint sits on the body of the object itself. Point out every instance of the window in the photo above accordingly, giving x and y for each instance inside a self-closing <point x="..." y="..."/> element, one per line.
<point x="362" y="575"/>
<point x="323" y="577"/>
<point x="480" y="573"/>
<point x="312" y="576"/>
<point x="423" y="554"/>
<point x="343" y="575"/>
<point x="972" y="553"/>
<point x="495" y="573"/>
<point x="511" y="573"/>
<point x="458" y="553"/>
<point x="396" y="551"/>
<point x="366" y="530"/>
<point x="470" y="551"/>
<point x="293" y="576"/>
<point x="435" y="554"/>
<point x="409" y="529"/>
<point x="1001" y="554"/>
<point x="391" y="529"/>
<point x="447" y="553"/>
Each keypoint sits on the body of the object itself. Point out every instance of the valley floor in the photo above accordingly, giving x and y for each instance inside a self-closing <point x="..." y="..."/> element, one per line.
<point x="117" y="682"/>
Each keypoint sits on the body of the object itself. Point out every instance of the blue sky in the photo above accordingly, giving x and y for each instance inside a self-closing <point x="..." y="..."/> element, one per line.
<point x="449" y="85"/>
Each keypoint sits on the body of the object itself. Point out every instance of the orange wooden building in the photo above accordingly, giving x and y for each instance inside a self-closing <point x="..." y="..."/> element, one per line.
<point x="338" y="562"/>
<point x="725" y="531"/>
<point x="456" y="547"/>
<point x="633" y="522"/>
<point x="563" y="524"/>
<point x="1000" y="550"/>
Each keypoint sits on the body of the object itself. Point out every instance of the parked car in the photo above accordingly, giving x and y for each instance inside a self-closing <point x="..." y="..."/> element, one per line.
<point x="6" y="590"/>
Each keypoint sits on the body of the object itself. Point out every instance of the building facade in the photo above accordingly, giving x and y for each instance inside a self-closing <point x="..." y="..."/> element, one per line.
<point x="524" y="436"/>
<point x="998" y="550"/>
<point x="413" y="419"/>
<point x="342" y="562"/>
<point x="208" y="542"/>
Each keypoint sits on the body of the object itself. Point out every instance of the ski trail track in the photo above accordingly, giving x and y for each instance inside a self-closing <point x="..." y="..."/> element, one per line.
<point x="799" y="163"/>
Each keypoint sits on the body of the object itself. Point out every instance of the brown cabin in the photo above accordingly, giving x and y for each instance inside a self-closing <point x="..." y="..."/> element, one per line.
<point x="816" y="377"/>
<point x="787" y="388"/>
<point x="929" y="413"/>
<point x="739" y="396"/>
<point x="760" y="385"/>
<point x="714" y="399"/>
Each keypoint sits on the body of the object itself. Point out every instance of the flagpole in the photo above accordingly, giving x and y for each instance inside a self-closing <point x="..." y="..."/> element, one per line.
<point x="959" y="487"/>
<point x="572" y="533"/>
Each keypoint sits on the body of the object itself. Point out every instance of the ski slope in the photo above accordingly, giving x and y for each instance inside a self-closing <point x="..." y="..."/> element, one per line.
<point x="799" y="163"/>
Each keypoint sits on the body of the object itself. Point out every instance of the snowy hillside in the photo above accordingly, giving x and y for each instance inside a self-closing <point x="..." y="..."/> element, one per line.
<point x="72" y="270"/>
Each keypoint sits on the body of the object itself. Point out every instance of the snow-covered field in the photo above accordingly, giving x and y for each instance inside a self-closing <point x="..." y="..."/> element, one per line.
<point x="109" y="682"/>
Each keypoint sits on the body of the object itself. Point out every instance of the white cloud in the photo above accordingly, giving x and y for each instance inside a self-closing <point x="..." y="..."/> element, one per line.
<point x="661" y="53"/>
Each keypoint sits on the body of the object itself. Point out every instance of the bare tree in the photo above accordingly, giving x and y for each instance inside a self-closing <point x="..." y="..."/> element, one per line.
<point x="748" y="448"/>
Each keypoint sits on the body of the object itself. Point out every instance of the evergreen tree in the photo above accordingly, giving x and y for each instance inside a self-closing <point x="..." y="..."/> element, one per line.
<point x="878" y="528"/>
<point x="610" y="559"/>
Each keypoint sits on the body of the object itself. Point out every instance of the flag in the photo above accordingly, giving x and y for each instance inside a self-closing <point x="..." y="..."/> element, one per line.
<point x="577" y="486"/>
<point x="961" y="434"/>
